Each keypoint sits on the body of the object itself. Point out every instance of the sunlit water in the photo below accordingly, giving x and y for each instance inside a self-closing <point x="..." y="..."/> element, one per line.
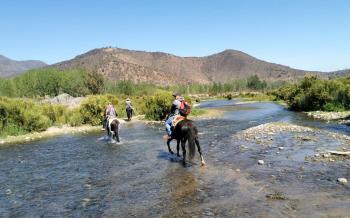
<point x="84" y="176"/>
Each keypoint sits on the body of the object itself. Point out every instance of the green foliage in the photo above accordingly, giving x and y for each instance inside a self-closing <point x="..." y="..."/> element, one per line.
<point x="158" y="106"/>
<point x="93" y="108"/>
<point x="75" y="118"/>
<point x="95" y="83"/>
<point x="128" y="88"/>
<point x="254" y="83"/>
<point x="32" y="121"/>
<point x="312" y="94"/>
<point x="22" y="116"/>
<point x="52" y="82"/>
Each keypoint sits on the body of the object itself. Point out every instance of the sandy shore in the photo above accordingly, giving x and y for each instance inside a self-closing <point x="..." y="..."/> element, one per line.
<point x="50" y="132"/>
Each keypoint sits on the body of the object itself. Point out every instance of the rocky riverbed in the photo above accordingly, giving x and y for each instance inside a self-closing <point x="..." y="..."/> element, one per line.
<point x="342" y="117"/>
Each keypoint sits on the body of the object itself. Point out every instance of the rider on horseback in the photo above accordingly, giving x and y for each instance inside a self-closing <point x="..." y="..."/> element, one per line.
<point x="110" y="113"/>
<point x="129" y="108"/>
<point x="173" y="112"/>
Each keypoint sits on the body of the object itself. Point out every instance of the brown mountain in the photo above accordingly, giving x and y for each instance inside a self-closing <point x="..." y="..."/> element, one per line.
<point x="10" y="67"/>
<point x="163" y="68"/>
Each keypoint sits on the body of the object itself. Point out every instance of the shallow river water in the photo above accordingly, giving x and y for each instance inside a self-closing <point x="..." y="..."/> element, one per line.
<point x="84" y="176"/>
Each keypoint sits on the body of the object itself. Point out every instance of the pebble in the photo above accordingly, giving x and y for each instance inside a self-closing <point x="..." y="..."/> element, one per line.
<point x="86" y="199"/>
<point x="280" y="148"/>
<point x="326" y="155"/>
<point x="261" y="162"/>
<point x="27" y="138"/>
<point x="2" y="142"/>
<point x="238" y="170"/>
<point x="317" y="155"/>
<point x="88" y="186"/>
<point x="342" y="181"/>
<point x="8" y="191"/>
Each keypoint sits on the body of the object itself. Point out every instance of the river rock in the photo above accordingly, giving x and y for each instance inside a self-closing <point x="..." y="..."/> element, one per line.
<point x="280" y="148"/>
<point x="88" y="186"/>
<point x="326" y="155"/>
<point x="261" y="162"/>
<point x="342" y="181"/>
<point x="8" y="191"/>
<point x="2" y="142"/>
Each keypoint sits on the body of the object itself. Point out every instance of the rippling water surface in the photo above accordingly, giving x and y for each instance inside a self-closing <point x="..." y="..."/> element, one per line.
<point x="83" y="175"/>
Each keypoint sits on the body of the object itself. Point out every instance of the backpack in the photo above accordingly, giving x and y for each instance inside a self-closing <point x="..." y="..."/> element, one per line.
<point x="185" y="108"/>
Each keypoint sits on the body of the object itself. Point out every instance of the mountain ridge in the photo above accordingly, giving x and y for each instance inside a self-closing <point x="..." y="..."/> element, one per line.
<point x="143" y="66"/>
<point x="9" y="67"/>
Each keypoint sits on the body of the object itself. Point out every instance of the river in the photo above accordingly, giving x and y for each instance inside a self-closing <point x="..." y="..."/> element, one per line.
<point x="84" y="176"/>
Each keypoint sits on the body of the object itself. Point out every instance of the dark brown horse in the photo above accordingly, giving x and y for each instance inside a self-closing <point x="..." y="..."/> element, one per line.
<point x="186" y="131"/>
<point x="114" y="131"/>
<point x="129" y="113"/>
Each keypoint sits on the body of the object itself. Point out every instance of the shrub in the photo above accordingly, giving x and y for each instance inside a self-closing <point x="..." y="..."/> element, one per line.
<point x="32" y="121"/>
<point x="312" y="93"/>
<point x="158" y="106"/>
<point x="93" y="108"/>
<point x="75" y="118"/>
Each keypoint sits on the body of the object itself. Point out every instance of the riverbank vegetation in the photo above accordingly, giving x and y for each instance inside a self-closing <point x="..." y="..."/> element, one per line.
<point x="311" y="94"/>
<point x="23" y="110"/>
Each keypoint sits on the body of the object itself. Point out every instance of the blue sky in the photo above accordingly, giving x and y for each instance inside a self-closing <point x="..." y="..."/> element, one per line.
<point x="304" y="34"/>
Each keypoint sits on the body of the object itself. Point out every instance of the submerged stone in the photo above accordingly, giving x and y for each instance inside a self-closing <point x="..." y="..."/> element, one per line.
<point x="342" y="181"/>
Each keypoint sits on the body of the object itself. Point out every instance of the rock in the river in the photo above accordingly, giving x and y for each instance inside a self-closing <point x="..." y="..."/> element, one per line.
<point x="8" y="191"/>
<point x="261" y="162"/>
<point x="342" y="181"/>
<point x="325" y="155"/>
<point x="280" y="148"/>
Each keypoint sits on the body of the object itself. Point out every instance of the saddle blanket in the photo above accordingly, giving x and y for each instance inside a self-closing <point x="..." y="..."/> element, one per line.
<point x="177" y="119"/>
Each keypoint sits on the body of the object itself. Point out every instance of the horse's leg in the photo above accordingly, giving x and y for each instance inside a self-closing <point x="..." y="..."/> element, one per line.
<point x="116" y="131"/>
<point x="183" y="147"/>
<point x="168" y="143"/>
<point x="178" y="148"/>
<point x="199" y="151"/>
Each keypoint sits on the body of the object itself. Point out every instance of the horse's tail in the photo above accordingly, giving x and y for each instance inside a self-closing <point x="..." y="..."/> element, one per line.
<point x="191" y="136"/>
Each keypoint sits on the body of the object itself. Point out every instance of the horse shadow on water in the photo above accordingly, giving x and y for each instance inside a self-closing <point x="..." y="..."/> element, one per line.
<point x="184" y="133"/>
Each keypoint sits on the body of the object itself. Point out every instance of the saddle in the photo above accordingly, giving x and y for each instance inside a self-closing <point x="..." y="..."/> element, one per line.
<point x="177" y="119"/>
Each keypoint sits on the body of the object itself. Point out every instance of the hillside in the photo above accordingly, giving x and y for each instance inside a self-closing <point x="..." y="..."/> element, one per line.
<point x="163" y="68"/>
<point x="10" y="67"/>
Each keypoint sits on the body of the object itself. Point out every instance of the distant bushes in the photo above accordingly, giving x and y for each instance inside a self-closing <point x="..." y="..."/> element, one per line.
<point x="79" y="82"/>
<point x="52" y="82"/>
<point x="312" y="94"/>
